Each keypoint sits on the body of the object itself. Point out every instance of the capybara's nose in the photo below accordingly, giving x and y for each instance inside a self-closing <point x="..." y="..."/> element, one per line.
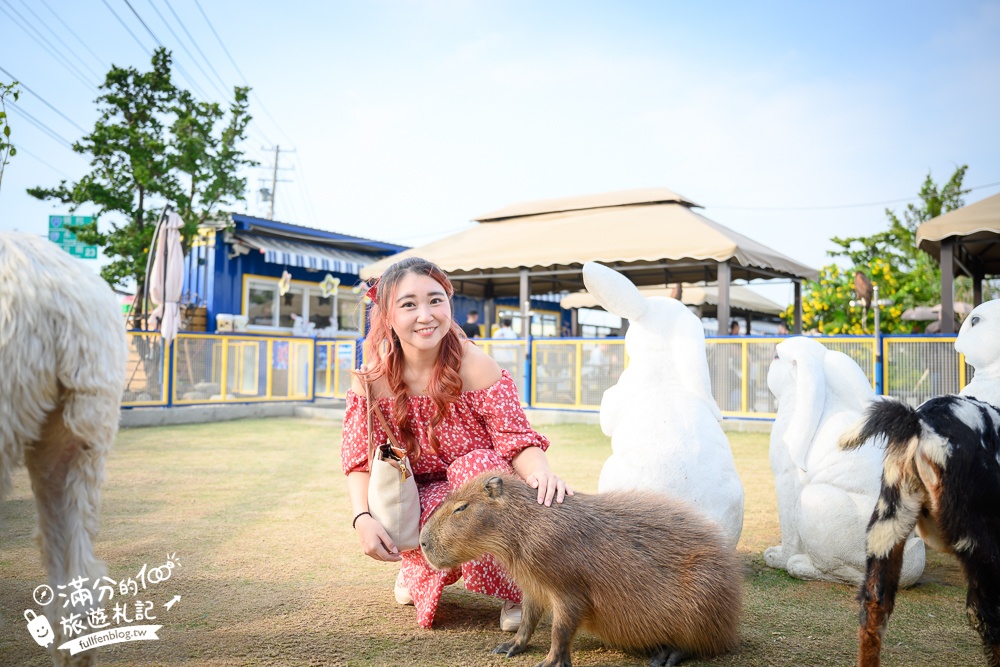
<point x="423" y="544"/>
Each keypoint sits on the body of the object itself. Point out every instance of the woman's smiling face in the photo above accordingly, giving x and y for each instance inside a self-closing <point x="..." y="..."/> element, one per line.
<point x="421" y="312"/>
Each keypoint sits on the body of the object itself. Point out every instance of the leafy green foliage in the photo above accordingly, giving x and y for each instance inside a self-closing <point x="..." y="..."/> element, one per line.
<point x="7" y="149"/>
<point x="890" y="258"/>
<point x="153" y="144"/>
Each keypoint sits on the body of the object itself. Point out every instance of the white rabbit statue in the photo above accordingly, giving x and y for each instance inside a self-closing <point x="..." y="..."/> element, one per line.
<point x="825" y="495"/>
<point x="662" y="419"/>
<point x="979" y="341"/>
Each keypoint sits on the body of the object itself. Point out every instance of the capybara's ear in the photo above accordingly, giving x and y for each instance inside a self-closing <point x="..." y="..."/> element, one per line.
<point x="494" y="487"/>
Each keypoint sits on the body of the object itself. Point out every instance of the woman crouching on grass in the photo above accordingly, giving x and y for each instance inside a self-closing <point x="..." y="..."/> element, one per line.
<point x="456" y="413"/>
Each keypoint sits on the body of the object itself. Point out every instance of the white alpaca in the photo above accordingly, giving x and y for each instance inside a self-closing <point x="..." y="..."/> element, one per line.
<point x="979" y="341"/>
<point x="62" y="363"/>
<point x="662" y="419"/>
<point x="825" y="495"/>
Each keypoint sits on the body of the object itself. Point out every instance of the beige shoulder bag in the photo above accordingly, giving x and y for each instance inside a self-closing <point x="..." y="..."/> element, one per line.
<point x="392" y="490"/>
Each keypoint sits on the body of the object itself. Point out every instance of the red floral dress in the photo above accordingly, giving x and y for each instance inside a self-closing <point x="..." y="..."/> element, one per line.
<point x="484" y="430"/>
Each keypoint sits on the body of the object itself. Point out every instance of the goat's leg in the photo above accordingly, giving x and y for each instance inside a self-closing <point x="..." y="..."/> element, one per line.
<point x="892" y="521"/>
<point x="983" y="602"/>
<point x="877" y="597"/>
<point x="65" y="476"/>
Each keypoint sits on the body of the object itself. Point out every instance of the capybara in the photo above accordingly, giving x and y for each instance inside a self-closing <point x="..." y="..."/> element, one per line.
<point x="640" y="570"/>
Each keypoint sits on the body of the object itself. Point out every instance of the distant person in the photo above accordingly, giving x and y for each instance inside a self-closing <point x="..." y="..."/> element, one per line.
<point x="734" y="328"/>
<point x="505" y="330"/>
<point x="782" y="329"/>
<point x="471" y="326"/>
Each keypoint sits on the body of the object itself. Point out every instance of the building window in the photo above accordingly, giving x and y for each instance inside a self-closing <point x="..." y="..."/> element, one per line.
<point x="544" y="323"/>
<point x="266" y="309"/>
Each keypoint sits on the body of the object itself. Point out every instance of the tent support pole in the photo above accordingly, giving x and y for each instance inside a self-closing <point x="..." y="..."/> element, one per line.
<point x="722" y="309"/>
<point x="947" y="287"/>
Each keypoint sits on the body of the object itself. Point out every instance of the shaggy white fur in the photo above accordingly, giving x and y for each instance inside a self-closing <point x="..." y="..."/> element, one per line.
<point x="825" y="495"/>
<point x="662" y="419"/>
<point x="63" y="355"/>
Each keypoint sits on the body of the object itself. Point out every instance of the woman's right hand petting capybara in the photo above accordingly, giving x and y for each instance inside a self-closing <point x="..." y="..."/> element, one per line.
<point x="639" y="569"/>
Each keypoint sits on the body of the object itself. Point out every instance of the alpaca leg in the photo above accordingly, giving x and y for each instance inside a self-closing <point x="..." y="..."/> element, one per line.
<point x="65" y="473"/>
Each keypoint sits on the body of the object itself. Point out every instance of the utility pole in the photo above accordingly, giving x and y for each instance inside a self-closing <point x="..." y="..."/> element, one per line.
<point x="274" y="178"/>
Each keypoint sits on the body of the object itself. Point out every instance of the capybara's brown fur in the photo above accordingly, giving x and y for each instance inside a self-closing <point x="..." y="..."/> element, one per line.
<point x="638" y="569"/>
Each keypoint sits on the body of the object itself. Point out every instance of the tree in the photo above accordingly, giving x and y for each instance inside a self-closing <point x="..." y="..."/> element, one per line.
<point x="891" y="259"/>
<point x="153" y="144"/>
<point x="7" y="149"/>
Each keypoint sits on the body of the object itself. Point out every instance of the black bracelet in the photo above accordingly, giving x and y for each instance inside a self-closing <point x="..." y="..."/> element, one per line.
<point x="353" y="523"/>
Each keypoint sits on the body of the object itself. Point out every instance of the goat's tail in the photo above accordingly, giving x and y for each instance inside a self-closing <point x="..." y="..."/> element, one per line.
<point x="894" y="420"/>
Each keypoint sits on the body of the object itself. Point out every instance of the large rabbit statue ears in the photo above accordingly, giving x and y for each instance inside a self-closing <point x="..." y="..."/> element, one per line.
<point x="821" y="376"/>
<point x="661" y="330"/>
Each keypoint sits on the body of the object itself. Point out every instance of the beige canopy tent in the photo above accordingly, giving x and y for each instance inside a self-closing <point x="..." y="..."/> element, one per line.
<point x="652" y="236"/>
<point x="964" y="241"/>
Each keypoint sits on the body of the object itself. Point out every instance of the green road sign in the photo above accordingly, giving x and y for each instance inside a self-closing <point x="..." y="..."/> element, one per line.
<point x="60" y="235"/>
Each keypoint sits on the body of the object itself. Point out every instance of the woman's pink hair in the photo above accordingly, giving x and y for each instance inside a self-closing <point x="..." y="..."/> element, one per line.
<point x="386" y="358"/>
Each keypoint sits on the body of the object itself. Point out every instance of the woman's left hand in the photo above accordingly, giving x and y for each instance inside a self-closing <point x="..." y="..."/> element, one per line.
<point x="549" y="486"/>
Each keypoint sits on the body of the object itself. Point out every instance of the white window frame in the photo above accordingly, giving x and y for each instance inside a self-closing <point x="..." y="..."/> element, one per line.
<point x="305" y="289"/>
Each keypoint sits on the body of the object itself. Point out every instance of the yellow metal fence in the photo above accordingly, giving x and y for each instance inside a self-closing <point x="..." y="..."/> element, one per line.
<point x="565" y="373"/>
<point x="209" y="368"/>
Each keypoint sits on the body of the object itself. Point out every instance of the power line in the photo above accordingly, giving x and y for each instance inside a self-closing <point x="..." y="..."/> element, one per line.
<point x="180" y="68"/>
<point x="42" y="42"/>
<point x="129" y="30"/>
<point x="184" y="46"/>
<point x="239" y="71"/>
<point x="194" y="42"/>
<point x="57" y="38"/>
<point x="39" y="159"/>
<point x="75" y="36"/>
<point x="838" y="206"/>
<point x="40" y="125"/>
<point x="42" y="99"/>
<point x="155" y="38"/>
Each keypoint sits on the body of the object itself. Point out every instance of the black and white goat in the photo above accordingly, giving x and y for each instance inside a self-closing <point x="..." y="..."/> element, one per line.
<point x="942" y="475"/>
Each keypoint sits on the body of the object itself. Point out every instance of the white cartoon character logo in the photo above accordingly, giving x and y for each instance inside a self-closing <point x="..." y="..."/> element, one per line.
<point x="39" y="628"/>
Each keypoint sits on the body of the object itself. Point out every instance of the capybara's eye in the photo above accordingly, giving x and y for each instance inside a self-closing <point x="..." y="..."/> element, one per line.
<point x="975" y="321"/>
<point x="460" y="508"/>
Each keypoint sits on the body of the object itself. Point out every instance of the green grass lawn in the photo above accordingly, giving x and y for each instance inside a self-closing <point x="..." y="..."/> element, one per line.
<point x="256" y="511"/>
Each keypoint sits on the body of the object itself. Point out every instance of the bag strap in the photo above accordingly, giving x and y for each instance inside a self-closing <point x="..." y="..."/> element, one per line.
<point x="374" y="408"/>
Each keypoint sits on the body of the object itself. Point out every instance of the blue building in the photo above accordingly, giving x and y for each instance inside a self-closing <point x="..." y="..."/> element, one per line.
<point x="236" y="270"/>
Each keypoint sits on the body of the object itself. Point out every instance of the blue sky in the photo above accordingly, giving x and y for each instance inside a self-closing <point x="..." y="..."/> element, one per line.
<point x="409" y="118"/>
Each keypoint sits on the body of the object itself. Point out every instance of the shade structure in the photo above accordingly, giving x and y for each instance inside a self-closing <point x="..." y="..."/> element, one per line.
<point x="974" y="229"/>
<point x="741" y="299"/>
<point x="965" y="241"/>
<point x="652" y="236"/>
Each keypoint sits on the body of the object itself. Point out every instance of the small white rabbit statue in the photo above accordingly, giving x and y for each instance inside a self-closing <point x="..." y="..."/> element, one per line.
<point x="825" y="495"/>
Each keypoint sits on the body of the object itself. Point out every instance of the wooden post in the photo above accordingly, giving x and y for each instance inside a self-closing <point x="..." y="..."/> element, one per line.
<point x="947" y="287"/>
<point x="722" y="309"/>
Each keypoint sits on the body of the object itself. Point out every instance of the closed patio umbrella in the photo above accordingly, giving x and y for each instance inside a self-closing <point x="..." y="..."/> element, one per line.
<point x="166" y="277"/>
